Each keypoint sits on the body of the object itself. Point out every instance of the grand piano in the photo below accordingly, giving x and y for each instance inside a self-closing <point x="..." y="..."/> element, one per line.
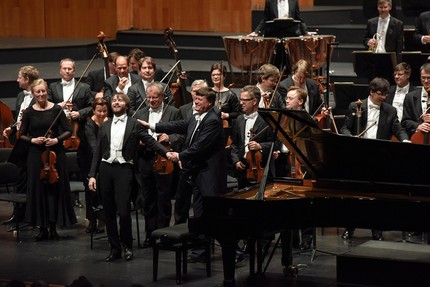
<point x="353" y="182"/>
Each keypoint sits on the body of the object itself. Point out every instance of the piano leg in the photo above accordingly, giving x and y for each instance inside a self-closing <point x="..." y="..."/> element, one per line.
<point x="228" y="261"/>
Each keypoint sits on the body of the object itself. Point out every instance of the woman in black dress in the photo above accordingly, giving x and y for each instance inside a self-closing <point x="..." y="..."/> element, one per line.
<point x="48" y="202"/>
<point x="226" y="100"/>
<point x="100" y="115"/>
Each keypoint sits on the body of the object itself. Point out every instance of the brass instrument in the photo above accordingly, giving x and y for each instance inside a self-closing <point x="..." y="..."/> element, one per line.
<point x="377" y="38"/>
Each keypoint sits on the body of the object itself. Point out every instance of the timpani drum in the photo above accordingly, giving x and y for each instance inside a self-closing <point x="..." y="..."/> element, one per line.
<point x="313" y="49"/>
<point x="249" y="53"/>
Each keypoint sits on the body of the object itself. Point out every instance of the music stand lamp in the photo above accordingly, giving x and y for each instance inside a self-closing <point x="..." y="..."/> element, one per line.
<point x="370" y="65"/>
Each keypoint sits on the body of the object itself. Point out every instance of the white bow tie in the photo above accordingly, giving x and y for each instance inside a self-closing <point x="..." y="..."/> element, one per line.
<point x="66" y="83"/>
<point x="27" y="93"/>
<point x="372" y="106"/>
<point x="120" y="118"/>
<point x="401" y="90"/>
<point x="251" y="116"/>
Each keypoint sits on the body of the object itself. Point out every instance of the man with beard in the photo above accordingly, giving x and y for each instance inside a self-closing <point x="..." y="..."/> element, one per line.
<point x="117" y="144"/>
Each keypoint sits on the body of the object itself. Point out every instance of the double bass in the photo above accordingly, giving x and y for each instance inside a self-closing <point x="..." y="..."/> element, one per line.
<point x="178" y="89"/>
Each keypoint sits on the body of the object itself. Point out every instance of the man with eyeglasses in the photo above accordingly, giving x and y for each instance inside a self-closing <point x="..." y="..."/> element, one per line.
<point x="378" y="120"/>
<point x="416" y="106"/>
<point x="397" y="93"/>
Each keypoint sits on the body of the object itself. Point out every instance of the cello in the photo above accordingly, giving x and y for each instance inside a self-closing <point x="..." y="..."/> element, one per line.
<point x="178" y="89"/>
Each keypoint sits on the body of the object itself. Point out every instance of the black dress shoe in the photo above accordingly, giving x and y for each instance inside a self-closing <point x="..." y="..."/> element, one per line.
<point x="114" y="255"/>
<point x="347" y="234"/>
<point x="54" y="235"/>
<point x="78" y="203"/>
<point x="11" y="220"/>
<point x="43" y="235"/>
<point x="377" y="235"/>
<point x="128" y="254"/>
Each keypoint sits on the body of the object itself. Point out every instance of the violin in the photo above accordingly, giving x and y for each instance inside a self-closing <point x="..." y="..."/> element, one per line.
<point x="254" y="158"/>
<point x="162" y="165"/>
<point x="49" y="173"/>
<point x="73" y="142"/>
<point x="179" y="89"/>
<point x="6" y="120"/>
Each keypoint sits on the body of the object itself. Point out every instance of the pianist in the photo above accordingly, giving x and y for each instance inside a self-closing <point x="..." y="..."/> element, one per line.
<point x="378" y="120"/>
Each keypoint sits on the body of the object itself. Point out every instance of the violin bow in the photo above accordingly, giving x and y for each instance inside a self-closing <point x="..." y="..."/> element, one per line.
<point x="277" y="86"/>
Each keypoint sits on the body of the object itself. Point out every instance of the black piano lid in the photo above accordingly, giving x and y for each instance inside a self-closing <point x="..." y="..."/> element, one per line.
<point x="338" y="160"/>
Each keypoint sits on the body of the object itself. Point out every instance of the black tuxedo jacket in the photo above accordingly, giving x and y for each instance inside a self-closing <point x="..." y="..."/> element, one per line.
<point x="264" y="138"/>
<point x="271" y="12"/>
<point x="95" y="80"/>
<point x="81" y="98"/>
<point x="111" y="84"/>
<point x="314" y="97"/>
<point x="393" y="40"/>
<point x="205" y="155"/>
<point x="134" y="132"/>
<point x="392" y="92"/>
<point x="422" y="28"/>
<point x="137" y="95"/>
<point x="412" y="111"/>
<point x="388" y="123"/>
<point x="169" y="114"/>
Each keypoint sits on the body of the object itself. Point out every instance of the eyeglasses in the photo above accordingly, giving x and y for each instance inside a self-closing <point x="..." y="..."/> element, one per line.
<point x="246" y="100"/>
<point x="381" y="94"/>
<point x="425" y="78"/>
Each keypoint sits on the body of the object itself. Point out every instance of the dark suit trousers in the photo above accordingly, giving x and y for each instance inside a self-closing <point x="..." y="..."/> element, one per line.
<point x="183" y="196"/>
<point x="115" y="181"/>
<point x="156" y="191"/>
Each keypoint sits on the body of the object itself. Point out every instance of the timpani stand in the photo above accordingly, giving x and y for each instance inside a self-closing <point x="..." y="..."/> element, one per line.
<point x="369" y="65"/>
<point x="248" y="54"/>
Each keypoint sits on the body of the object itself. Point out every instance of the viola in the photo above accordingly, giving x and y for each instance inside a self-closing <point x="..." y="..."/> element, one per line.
<point x="49" y="173"/>
<point x="254" y="158"/>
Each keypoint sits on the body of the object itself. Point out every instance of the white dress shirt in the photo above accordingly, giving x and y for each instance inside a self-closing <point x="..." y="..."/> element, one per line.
<point x="117" y="139"/>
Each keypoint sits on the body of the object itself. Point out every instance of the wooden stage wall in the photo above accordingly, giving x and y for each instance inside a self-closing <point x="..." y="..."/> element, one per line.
<point x="85" y="18"/>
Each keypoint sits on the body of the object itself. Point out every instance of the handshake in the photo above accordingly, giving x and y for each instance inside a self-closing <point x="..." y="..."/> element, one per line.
<point x="174" y="156"/>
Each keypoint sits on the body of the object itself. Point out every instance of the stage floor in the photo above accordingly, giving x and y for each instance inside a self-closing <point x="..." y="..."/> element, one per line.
<point x="60" y="262"/>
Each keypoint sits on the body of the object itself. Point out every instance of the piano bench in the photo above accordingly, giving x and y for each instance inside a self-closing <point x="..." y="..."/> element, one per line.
<point x="178" y="238"/>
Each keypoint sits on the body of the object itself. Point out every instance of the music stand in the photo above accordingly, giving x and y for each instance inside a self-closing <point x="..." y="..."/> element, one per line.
<point x="370" y="65"/>
<point x="415" y="60"/>
<point x="282" y="27"/>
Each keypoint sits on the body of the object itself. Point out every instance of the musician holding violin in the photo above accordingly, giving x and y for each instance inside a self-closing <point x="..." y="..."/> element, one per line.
<point x="45" y="127"/>
<point x="75" y="99"/>
<point x="416" y="116"/>
<point x="251" y="139"/>
<point x="268" y="77"/>
<point x="155" y="174"/>
<point x="26" y="76"/>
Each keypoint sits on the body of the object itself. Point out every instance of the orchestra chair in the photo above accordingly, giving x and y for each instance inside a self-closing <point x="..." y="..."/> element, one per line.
<point x="178" y="238"/>
<point x="98" y="209"/>
<point x="8" y="179"/>
<point x="4" y="154"/>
